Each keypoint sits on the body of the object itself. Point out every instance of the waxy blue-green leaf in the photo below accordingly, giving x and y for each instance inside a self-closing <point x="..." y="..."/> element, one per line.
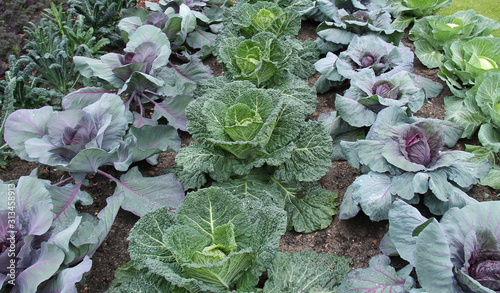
<point x="378" y="277"/>
<point x="23" y="125"/>
<point x="92" y="231"/>
<point x="143" y="194"/>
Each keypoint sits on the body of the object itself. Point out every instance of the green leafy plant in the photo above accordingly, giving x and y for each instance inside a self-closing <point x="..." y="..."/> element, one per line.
<point x="480" y="112"/>
<point x="49" y="55"/>
<point x="102" y="16"/>
<point x="218" y="242"/>
<point x="407" y="11"/>
<point x="15" y="15"/>
<point x="246" y="134"/>
<point x="247" y="20"/>
<point x="260" y="60"/>
<point x="81" y="39"/>
<point x="431" y="33"/>
<point x="464" y="61"/>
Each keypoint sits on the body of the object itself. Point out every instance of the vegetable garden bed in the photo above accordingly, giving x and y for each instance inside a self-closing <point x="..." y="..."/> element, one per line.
<point x="357" y="238"/>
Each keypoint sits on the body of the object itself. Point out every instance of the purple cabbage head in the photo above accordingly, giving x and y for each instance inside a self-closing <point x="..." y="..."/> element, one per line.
<point x="369" y="94"/>
<point x="376" y="54"/>
<point x="459" y="254"/>
<point x="420" y="144"/>
<point x="404" y="157"/>
<point x="77" y="140"/>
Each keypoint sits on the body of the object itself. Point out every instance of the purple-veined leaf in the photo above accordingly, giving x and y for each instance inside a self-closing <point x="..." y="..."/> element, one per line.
<point x="144" y="34"/>
<point x="102" y="68"/>
<point x="174" y="110"/>
<point x="372" y="192"/>
<point x="30" y="191"/>
<point x="432" y="260"/>
<point x="88" y="161"/>
<point x="67" y="278"/>
<point x="92" y="232"/>
<point x="23" y="125"/>
<point x="182" y="79"/>
<point x="46" y="265"/>
<point x="348" y="208"/>
<point x="83" y="97"/>
<point x="39" y="218"/>
<point x="139" y="82"/>
<point x="403" y="220"/>
<point x="380" y="277"/>
<point x="160" y="138"/>
<point x="64" y="199"/>
<point x="200" y="37"/>
<point x="144" y="194"/>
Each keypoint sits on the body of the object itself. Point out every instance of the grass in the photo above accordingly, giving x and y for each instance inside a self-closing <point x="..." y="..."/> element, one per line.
<point x="488" y="8"/>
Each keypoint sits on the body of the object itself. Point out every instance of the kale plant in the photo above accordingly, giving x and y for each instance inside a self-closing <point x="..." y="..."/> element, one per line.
<point x="102" y="16"/>
<point x="465" y="60"/>
<point x="94" y="133"/>
<point x="404" y="157"/>
<point x="245" y="134"/>
<point x="431" y="33"/>
<point x="45" y="244"/>
<point x="480" y="112"/>
<point x="460" y="253"/>
<point x="367" y="52"/>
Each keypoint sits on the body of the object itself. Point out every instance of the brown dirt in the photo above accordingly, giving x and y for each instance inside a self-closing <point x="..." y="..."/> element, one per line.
<point x="357" y="238"/>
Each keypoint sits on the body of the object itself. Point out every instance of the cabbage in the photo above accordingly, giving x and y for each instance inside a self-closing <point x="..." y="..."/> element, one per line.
<point x="404" y="157"/>
<point x="460" y="253"/>
<point x="465" y="61"/>
<point x="364" y="53"/>
<point x="430" y="34"/>
<point x="369" y="94"/>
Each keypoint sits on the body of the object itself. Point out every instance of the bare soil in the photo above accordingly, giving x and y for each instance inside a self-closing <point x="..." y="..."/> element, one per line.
<point x="357" y="238"/>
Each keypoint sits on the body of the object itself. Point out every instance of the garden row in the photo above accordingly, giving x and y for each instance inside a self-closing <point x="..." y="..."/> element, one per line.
<point x="253" y="144"/>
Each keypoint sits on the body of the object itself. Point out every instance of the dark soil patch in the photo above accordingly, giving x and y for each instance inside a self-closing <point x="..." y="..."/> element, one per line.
<point x="357" y="238"/>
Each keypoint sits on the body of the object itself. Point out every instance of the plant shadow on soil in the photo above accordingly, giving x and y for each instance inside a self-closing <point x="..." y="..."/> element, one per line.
<point x="357" y="238"/>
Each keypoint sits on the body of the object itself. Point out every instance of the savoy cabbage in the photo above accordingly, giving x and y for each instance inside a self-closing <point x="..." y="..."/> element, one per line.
<point x="250" y="136"/>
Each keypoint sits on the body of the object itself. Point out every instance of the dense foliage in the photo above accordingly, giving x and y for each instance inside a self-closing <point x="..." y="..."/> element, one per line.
<point x="103" y="84"/>
<point x="460" y="253"/>
<point x="217" y="242"/>
<point x="44" y="240"/>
